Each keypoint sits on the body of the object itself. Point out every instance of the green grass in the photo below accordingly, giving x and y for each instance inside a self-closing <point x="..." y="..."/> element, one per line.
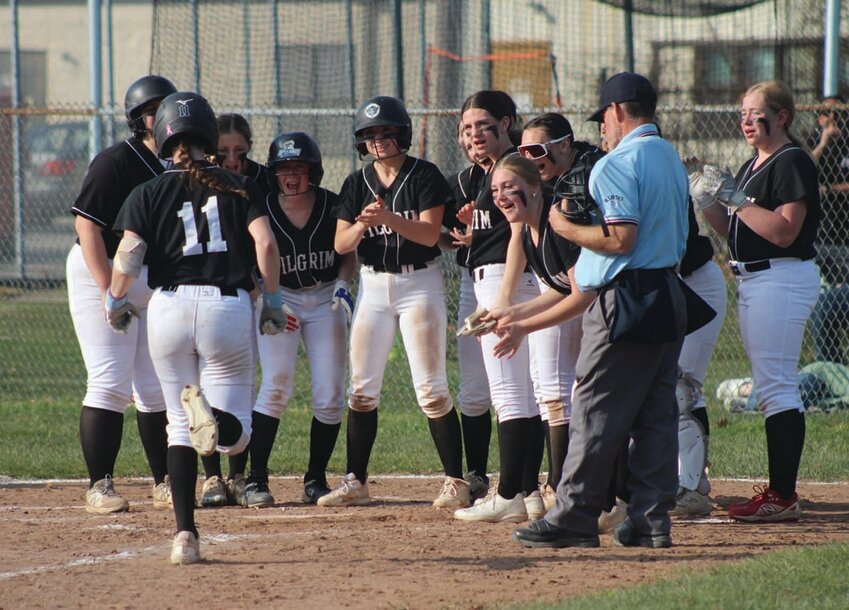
<point x="803" y="578"/>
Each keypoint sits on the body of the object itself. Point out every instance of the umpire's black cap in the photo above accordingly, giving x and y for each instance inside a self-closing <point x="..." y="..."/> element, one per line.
<point x="624" y="87"/>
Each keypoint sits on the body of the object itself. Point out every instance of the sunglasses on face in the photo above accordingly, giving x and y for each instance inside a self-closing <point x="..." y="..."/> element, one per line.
<point x="538" y="151"/>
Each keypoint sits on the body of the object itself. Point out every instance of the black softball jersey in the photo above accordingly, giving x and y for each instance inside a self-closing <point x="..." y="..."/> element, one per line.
<point x="419" y="186"/>
<point x="259" y="174"/>
<point x="789" y="174"/>
<point x="307" y="256"/>
<point x="552" y="256"/>
<point x="112" y="174"/>
<point x="465" y="186"/>
<point x="195" y="235"/>
<point x="490" y="229"/>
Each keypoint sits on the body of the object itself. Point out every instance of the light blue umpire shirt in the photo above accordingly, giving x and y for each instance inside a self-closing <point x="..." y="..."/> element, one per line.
<point x="643" y="182"/>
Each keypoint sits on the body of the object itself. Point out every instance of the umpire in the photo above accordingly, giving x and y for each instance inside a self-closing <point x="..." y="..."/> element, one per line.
<point x="633" y="330"/>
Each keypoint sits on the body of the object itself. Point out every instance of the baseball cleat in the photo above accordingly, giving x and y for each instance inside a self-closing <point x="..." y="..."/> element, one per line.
<point x="162" y="494"/>
<point x="495" y="509"/>
<point x="257" y="494"/>
<point x="203" y="429"/>
<point x="103" y="499"/>
<point x="350" y="493"/>
<point x="549" y="497"/>
<point x="534" y="505"/>
<point x="454" y="494"/>
<point x="692" y="503"/>
<point x="313" y="490"/>
<point x="213" y="492"/>
<point x="609" y="519"/>
<point x="765" y="507"/>
<point x="185" y="549"/>
<point x="478" y="486"/>
<point x="236" y="490"/>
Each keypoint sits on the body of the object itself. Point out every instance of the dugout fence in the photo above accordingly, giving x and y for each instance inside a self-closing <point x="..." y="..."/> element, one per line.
<point x="306" y="65"/>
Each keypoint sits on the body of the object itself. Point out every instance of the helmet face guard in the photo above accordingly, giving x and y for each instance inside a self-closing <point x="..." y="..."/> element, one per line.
<point x="185" y="115"/>
<point x="383" y="111"/>
<point x="294" y="146"/>
<point x="142" y="91"/>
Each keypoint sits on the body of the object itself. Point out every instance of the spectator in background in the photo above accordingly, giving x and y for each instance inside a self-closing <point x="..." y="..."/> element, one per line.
<point x="830" y="149"/>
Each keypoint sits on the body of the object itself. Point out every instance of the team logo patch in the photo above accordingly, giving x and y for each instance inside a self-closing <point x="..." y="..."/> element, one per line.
<point x="372" y="110"/>
<point x="183" y="106"/>
<point x="287" y="149"/>
<point x="613" y="201"/>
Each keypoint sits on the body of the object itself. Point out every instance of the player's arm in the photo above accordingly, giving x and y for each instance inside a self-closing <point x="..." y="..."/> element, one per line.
<point x="526" y="309"/>
<point x="347" y="266"/>
<point x="717" y="216"/>
<point x="94" y="251"/>
<point x="267" y="254"/>
<point x="780" y="226"/>
<point x="619" y="238"/>
<point x="348" y="235"/>
<point x="424" y="230"/>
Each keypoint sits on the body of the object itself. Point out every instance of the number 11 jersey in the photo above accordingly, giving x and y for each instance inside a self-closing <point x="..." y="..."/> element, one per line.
<point x="195" y="235"/>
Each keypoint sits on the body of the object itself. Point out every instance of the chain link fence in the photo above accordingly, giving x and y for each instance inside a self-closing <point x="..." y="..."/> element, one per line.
<point x="289" y="65"/>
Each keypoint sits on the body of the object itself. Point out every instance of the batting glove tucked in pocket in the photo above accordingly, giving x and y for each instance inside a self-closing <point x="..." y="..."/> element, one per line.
<point x="275" y="316"/>
<point x="343" y="298"/>
<point x="119" y="313"/>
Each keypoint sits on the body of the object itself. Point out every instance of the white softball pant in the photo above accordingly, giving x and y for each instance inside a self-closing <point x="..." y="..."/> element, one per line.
<point x="773" y="307"/>
<point x="510" y="384"/>
<point x="324" y="333"/>
<point x="119" y="367"/>
<point x="474" y="386"/>
<point x="415" y="303"/>
<point x="709" y="283"/>
<point x="554" y="354"/>
<point x="199" y="337"/>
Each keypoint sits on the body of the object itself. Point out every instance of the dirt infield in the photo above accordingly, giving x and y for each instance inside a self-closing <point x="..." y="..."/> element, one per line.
<point x="398" y="553"/>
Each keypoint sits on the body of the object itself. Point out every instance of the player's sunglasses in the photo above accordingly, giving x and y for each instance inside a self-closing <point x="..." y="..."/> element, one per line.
<point x="538" y="150"/>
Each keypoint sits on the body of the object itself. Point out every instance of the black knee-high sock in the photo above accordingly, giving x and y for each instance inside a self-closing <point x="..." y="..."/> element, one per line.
<point x="229" y="427"/>
<point x="785" y="438"/>
<point x="558" y="446"/>
<point x="701" y="415"/>
<point x="447" y="437"/>
<point x="512" y="451"/>
<point x="362" y="431"/>
<point x="477" y="430"/>
<point x="100" y="436"/>
<point x="183" y="471"/>
<point x="212" y="465"/>
<point x="154" y="439"/>
<point x="262" y="440"/>
<point x="322" y="442"/>
<point x="237" y="464"/>
<point x="534" y="446"/>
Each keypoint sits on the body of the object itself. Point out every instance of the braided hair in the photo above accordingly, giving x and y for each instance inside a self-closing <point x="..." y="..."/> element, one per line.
<point x="195" y="172"/>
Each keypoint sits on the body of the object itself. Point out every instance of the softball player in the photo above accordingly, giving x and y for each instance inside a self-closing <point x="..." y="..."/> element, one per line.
<point x="548" y="141"/>
<point x="390" y="212"/>
<point x="118" y="366"/>
<point x="488" y="117"/>
<point x="234" y="144"/>
<point x="197" y="223"/>
<point x="474" y="388"/>
<point x="314" y="280"/>
<point x="770" y="212"/>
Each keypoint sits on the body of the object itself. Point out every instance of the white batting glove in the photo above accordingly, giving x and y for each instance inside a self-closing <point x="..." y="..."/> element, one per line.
<point x="343" y="298"/>
<point x="699" y="192"/>
<point x="275" y="316"/>
<point x="119" y="313"/>
<point x="723" y="187"/>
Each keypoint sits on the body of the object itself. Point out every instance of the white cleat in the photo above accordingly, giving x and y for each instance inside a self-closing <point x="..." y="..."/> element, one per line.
<point x="350" y="493"/>
<point x="185" y="549"/>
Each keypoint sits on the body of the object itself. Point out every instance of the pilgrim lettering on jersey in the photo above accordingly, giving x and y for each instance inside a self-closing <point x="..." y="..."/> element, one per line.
<point x="323" y="259"/>
<point x="481" y="220"/>
<point x="384" y="230"/>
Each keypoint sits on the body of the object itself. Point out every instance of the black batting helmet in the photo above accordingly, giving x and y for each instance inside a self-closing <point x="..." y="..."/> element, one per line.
<point x="383" y="111"/>
<point x="144" y="90"/>
<point x="294" y="146"/>
<point x="185" y="114"/>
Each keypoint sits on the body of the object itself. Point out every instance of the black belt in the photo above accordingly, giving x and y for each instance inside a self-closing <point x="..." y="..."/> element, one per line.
<point x="739" y="268"/>
<point x="399" y="268"/>
<point x="225" y="292"/>
<point x="477" y="273"/>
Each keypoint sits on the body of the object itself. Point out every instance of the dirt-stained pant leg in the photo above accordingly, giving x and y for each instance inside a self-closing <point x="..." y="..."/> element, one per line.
<point x="373" y="330"/>
<point x="423" y="320"/>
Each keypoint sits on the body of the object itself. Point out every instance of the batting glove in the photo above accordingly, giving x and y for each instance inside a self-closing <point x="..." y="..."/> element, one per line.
<point x="119" y="313"/>
<point x="721" y="184"/>
<point x="275" y="316"/>
<point x="342" y="297"/>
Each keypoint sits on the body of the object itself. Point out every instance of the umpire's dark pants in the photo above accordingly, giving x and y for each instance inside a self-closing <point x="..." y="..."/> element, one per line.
<point x="622" y="390"/>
